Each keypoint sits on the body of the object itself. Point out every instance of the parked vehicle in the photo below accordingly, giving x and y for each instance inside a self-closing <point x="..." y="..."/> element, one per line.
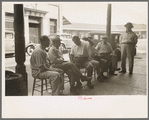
<point x="66" y="42"/>
<point x="9" y="43"/>
<point x="30" y="48"/>
<point x="114" y="40"/>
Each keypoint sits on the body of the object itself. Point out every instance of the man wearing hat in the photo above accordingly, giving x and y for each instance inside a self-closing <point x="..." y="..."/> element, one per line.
<point x="105" y="50"/>
<point x="128" y="41"/>
<point x="56" y="58"/>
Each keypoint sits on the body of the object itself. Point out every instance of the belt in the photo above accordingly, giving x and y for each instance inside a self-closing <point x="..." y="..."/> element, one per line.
<point x="104" y="53"/>
<point x="80" y="57"/>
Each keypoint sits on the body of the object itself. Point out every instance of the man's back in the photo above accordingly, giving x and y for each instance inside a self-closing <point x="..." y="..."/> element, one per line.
<point x="37" y="59"/>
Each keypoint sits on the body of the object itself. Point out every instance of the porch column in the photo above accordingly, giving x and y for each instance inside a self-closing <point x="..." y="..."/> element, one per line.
<point x="26" y="24"/>
<point x="20" y="47"/>
<point x="108" y="27"/>
<point x="60" y="19"/>
<point x="44" y="26"/>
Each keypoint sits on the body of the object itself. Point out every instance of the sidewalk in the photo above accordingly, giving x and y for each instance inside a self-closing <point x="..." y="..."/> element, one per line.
<point x="122" y="84"/>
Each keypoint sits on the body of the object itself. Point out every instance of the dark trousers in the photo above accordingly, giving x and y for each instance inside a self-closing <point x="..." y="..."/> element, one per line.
<point x="127" y="50"/>
<point x="71" y="70"/>
<point x="83" y="62"/>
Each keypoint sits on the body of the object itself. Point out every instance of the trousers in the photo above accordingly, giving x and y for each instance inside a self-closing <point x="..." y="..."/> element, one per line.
<point x="71" y="70"/>
<point x="127" y="50"/>
<point x="54" y="80"/>
<point x="83" y="62"/>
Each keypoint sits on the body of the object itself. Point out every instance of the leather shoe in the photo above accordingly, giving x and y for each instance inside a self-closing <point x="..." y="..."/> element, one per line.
<point x="99" y="78"/>
<point x="104" y="77"/>
<point x="73" y="90"/>
<point x="89" y="84"/>
<point x="79" y="85"/>
<point x="117" y="69"/>
<point x="130" y="72"/>
<point x="121" y="71"/>
<point x="85" y="78"/>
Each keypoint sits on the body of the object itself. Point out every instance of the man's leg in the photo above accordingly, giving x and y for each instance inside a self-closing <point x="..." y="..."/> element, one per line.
<point x="113" y="65"/>
<point x="130" y="53"/>
<point x="54" y="79"/>
<point x="61" y="72"/>
<point x="123" y="58"/>
<point x="89" y="67"/>
<point x="97" y="67"/>
<point x="67" y="68"/>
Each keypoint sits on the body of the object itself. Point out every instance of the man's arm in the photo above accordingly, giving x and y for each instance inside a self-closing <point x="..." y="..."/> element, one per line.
<point x="90" y="42"/>
<point x="41" y="61"/>
<point x="54" y="58"/>
<point x="71" y="54"/>
<point x="135" y="39"/>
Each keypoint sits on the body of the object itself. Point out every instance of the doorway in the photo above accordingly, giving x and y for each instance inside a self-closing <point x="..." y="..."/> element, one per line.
<point x="34" y="32"/>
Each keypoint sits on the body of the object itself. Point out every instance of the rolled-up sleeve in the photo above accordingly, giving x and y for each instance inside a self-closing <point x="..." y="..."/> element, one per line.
<point x="98" y="46"/>
<point x="72" y="51"/>
<point x="54" y="57"/>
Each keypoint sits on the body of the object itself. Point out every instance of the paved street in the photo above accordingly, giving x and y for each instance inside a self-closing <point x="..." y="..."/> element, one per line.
<point x="122" y="84"/>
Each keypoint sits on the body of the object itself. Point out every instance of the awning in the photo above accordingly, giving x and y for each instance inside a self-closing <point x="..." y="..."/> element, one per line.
<point x="65" y="21"/>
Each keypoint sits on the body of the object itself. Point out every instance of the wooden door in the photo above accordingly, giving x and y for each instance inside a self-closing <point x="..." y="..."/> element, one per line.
<point x="34" y="33"/>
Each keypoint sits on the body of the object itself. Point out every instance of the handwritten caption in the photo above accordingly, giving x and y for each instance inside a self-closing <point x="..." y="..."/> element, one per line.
<point x="83" y="97"/>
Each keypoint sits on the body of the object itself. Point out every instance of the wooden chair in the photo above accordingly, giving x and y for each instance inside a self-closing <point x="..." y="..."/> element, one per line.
<point x="43" y="82"/>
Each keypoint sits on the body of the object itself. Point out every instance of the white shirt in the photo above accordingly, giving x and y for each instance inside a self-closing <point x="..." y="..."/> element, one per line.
<point x="82" y="50"/>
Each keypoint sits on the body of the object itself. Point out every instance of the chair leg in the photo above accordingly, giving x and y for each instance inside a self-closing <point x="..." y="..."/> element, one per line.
<point x="33" y="86"/>
<point x="41" y="87"/>
<point x="46" y="84"/>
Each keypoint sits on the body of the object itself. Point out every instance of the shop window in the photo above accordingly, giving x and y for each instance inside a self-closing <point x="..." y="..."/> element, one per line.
<point x="9" y="25"/>
<point x="53" y="26"/>
<point x="9" y="35"/>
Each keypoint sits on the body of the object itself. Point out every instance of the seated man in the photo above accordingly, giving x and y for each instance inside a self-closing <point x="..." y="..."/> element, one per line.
<point x="57" y="61"/>
<point x="80" y="56"/>
<point x="93" y="53"/>
<point x="40" y="67"/>
<point x="105" y="51"/>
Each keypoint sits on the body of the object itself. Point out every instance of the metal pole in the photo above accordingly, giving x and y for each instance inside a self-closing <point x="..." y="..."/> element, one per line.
<point x="108" y="27"/>
<point x="20" y="46"/>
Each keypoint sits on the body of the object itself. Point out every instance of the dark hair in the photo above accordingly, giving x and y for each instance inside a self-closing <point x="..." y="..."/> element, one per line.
<point x="75" y="37"/>
<point x="43" y="39"/>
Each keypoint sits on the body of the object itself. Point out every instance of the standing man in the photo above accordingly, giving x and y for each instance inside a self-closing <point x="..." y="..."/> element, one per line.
<point x="57" y="61"/>
<point x="40" y="66"/>
<point x="128" y="41"/>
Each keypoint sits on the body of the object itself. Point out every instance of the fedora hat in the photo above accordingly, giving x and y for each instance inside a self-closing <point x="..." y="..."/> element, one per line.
<point x="129" y="24"/>
<point x="54" y="40"/>
<point x="104" y="37"/>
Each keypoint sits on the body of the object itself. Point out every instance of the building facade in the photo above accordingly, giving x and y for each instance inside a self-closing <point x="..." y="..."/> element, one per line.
<point x="80" y="29"/>
<point x="39" y="19"/>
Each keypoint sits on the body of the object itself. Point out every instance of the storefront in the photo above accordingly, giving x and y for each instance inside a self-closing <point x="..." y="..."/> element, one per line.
<point x="37" y="22"/>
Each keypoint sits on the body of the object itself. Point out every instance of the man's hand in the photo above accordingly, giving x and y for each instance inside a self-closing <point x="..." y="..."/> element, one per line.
<point x="85" y="39"/>
<point x="60" y="60"/>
